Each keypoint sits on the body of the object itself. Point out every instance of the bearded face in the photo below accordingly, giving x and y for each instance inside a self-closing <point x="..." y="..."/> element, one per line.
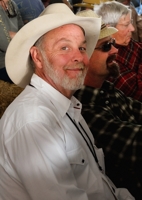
<point x="66" y="82"/>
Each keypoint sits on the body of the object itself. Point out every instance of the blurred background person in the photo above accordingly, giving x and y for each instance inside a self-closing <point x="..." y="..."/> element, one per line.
<point x="137" y="20"/>
<point x="29" y="9"/>
<point x="45" y="2"/>
<point x="62" y="1"/>
<point x="10" y="23"/>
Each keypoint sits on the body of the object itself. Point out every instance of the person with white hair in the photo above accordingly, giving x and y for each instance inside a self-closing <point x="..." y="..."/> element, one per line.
<point x="137" y="20"/>
<point x="129" y="56"/>
<point x="46" y="148"/>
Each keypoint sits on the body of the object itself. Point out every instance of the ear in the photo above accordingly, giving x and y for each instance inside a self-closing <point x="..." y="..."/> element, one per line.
<point x="36" y="57"/>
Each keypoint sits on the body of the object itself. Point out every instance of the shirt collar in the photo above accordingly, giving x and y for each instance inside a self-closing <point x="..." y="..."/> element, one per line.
<point x="60" y="102"/>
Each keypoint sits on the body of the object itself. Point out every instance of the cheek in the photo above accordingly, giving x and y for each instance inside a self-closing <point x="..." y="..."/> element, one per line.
<point x="59" y="59"/>
<point x="126" y="32"/>
<point x="123" y="33"/>
<point x="120" y="34"/>
<point x="96" y="58"/>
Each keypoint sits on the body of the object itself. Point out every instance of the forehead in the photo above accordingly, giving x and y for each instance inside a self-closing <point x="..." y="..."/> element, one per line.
<point x="124" y="18"/>
<point x="72" y="28"/>
<point x="67" y="33"/>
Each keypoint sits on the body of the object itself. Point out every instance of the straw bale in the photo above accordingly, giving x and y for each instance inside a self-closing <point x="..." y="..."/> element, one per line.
<point x="8" y="92"/>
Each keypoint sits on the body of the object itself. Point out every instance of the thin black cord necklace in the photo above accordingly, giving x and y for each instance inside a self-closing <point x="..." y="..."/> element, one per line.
<point x="91" y="148"/>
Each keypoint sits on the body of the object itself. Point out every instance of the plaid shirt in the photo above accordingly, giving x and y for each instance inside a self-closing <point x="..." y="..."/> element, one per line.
<point x="129" y="59"/>
<point x="116" y="123"/>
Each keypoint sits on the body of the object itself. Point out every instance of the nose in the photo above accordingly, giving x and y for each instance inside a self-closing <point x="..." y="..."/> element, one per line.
<point x="131" y="28"/>
<point x="78" y="56"/>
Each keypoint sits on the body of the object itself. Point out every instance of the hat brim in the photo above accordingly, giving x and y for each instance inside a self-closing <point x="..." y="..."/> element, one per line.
<point x="17" y="59"/>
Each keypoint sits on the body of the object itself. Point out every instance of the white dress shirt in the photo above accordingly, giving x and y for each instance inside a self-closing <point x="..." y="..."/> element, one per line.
<point x="42" y="154"/>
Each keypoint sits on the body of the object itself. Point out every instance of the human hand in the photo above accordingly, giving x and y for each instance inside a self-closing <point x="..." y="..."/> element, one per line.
<point x="12" y="34"/>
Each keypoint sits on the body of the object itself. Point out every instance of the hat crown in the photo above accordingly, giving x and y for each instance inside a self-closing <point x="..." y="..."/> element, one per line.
<point x="57" y="8"/>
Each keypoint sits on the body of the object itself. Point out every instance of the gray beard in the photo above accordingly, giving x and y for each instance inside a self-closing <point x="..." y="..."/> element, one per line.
<point x="65" y="82"/>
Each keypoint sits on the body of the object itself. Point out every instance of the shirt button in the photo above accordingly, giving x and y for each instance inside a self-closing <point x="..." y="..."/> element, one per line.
<point x="106" y="102"/>
<point x="83" y="161"/>
<point x="102" y="92"/>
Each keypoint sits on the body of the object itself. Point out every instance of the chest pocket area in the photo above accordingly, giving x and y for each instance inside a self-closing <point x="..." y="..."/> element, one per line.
<point x="79" y="163"/>
<point x="77" y="157"/>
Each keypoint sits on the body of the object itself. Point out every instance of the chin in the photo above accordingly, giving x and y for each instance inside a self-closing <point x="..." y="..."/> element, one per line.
<point x="128" y="40"/>
<point x="126" y="43"/>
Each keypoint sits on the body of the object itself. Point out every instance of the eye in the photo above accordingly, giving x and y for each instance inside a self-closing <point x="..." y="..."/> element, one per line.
<point x="82" y="49"/>
<point x="126" y="25"/>
<point x="65" y="48"/>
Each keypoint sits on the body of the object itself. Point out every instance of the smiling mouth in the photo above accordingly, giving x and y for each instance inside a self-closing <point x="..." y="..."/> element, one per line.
<point x="76" y="69"/>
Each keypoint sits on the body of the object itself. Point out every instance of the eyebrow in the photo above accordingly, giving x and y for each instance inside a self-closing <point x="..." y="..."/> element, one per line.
<point x="66" y="40"/>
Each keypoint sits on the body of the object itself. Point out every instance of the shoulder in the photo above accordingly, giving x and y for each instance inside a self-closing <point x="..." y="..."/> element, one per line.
<point x="29" y="106"/>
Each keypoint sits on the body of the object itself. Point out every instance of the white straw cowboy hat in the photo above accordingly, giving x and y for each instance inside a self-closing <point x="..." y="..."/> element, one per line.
<point x="17" y="60"/>
<point x="105" y="30"/>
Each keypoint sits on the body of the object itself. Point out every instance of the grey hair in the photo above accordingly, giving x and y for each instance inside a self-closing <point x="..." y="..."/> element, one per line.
<point x="40" y="45"/>
<point x="112" y="11"/>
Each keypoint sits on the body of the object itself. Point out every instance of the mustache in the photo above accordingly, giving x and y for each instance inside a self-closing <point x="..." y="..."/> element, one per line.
<point x="78" y="66"/>
<point x="111" y="58"/>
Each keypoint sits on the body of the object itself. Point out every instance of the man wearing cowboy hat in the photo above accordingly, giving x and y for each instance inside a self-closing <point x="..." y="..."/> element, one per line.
<point x="46" y="149"/>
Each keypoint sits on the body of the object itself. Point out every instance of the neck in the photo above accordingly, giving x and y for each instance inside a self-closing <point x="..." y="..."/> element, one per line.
<point x="67" y="93"/>
<point x="94" y="81"/>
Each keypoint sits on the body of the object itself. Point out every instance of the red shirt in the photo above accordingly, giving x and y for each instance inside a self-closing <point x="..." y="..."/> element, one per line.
<point x="129" y="59"/>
